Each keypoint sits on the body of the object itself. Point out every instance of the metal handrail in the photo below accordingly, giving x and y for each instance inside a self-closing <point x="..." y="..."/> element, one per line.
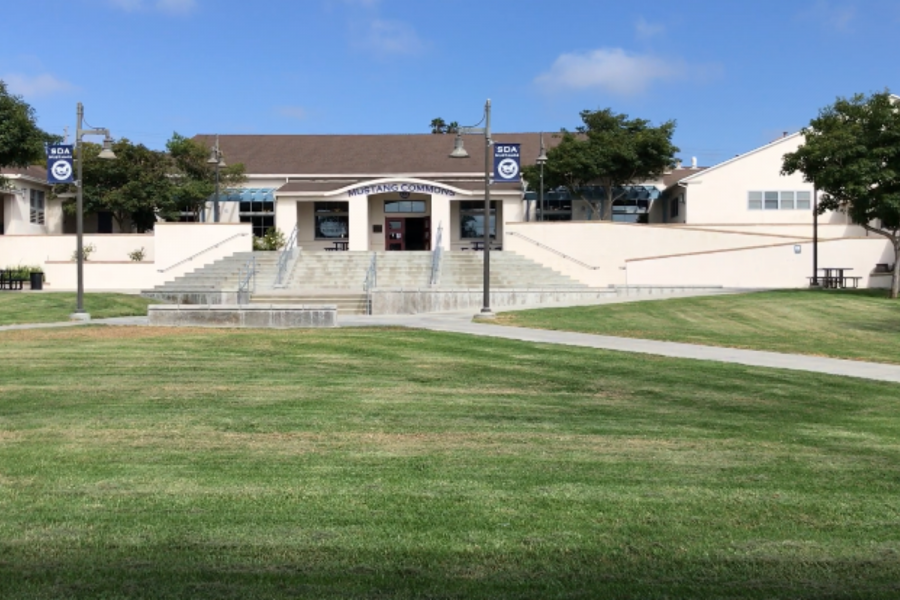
<point x="371" y="281"/>
<point x="285" y="256"/>
<point x="553" y="250"/>
<point x="437" y="255"/>
<point x="246" y="275"/>
<point x="193" y="256"/>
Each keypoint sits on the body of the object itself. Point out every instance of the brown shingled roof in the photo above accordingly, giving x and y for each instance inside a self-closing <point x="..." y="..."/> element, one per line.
<point x="670" y="179"/>
<point x="32" y="171"/>
<point x="365" y="154"/>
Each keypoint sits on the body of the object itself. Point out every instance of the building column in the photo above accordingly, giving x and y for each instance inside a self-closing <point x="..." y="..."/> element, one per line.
<point x="359" y="224"/>
<point x="285" y="215"/>
<point x="440" y="216"/>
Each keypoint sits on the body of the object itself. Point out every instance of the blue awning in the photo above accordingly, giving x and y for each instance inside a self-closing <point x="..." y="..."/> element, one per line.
<point x="249" y="195"/>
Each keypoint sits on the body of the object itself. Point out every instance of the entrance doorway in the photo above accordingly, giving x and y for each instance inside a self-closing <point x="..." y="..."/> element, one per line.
<point x="407" y="233"/>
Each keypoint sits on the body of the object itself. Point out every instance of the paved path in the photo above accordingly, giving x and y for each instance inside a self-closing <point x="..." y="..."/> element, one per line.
<point x="461" y="322"/>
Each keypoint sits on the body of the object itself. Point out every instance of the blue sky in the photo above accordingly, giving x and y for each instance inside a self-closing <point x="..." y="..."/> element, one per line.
<point x="734" y="74"/>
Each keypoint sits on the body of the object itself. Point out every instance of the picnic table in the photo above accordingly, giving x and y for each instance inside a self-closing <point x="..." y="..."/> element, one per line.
<point x="9" y="281"/>
<point x="339" y="246"/>
<point x="834" y="278"/>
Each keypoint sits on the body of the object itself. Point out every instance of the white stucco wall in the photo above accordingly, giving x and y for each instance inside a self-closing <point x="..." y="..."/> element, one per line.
<point x="777" y="266"/>
<point x="719" y="195"/>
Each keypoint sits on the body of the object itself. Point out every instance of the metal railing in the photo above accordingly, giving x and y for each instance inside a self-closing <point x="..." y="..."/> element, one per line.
<point x="553" y="250"/>
<point x="246" y="281"/>
<point x="371" y="281"/>
<point x="286" y="255"/>
<point x="437" y="255"/>
<point x="204" y="251"/>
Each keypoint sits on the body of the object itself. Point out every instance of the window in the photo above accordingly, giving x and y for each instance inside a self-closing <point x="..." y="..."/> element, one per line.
<point x="787" y="200"/>
<point x="260" y="214"/>
<point x="404" y="206"/>
<point x="37" y="207"/>
<point x="471" y="219"/>
<point x="557" y="205"/>
<point x="778" y="200"/>
<point x="630" y="210"/>
<point x="332" y="220"/>
<point x="673" y="207"/>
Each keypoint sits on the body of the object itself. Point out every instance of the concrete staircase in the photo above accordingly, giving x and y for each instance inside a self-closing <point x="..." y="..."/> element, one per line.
<point x="205" y="283"/>
<point x="465" y="270"/>
<point x="338" y="278"/>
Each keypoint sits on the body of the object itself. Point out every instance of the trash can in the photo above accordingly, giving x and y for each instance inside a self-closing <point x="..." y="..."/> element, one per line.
<point x="37" y="280"/>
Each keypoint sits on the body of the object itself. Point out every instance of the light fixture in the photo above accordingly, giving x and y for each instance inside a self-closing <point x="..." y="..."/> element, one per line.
<point x="105" y="153"/>
<point x="460" y="152"/>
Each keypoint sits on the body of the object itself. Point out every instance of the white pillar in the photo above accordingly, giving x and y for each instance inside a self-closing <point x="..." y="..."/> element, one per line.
<point x="440" y="215"/>
<point x="285" y="215"/>
<point x="359" y="223"/>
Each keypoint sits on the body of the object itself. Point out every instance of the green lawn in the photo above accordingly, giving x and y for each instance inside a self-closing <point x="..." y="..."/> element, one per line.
<point x="859" y="325"/>
<point x="195" y="464"/>
<point x="55" y="307"/>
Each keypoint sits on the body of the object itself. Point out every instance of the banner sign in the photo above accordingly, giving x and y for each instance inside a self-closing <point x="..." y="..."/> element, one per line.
<point x="507" y="161"/>
<point x="59" y="164"/>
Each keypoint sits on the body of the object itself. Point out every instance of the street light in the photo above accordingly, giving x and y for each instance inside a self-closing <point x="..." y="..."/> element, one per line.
<point x="541" y="160"/>
<point x="105" y="153"/>
<point x="460" y="152"/>
<point x="215" y="158"/>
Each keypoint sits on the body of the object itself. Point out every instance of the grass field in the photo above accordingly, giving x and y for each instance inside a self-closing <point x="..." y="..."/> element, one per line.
<point x="55" y="307"/>
<point x="155" y="463"/>
<point x="858" y="325"/>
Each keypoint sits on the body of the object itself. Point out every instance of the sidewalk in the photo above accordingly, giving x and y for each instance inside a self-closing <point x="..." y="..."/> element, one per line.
<point x="461" y="322"/>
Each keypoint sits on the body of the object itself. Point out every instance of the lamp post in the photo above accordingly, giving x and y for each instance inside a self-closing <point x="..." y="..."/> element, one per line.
<point x="215" y="158"/>
<point x="105" y="153"/>
<point x="541" y="160"/>
<point x="815" y="204"/>
<point x="460" y="152"/>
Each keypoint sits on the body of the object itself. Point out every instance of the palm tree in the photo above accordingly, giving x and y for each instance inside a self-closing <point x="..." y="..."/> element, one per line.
<point x="453" y="127"/>
<point x="438" y="125"/>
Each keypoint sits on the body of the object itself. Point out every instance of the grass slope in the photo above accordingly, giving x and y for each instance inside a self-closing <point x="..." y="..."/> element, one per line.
<point x="55" y="307"/>
<point x="155" y="463"/>
<point x="860" y="325"/>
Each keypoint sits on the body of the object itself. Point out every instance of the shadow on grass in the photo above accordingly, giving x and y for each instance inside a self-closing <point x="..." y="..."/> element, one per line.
<point x="766" y="570"/>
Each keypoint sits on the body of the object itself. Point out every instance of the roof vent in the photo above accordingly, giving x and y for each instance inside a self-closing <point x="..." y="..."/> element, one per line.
<point x="693" y="162"/>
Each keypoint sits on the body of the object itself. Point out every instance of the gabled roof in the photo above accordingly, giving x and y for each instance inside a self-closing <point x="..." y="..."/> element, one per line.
<point x="361" y="156"/>
<point x="780" y="140"/>
<point x="676" y="175"/>
<point x="32" y="172"/>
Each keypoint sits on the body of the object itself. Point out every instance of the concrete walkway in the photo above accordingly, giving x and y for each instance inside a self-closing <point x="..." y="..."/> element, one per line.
<point x="461" y="322"/>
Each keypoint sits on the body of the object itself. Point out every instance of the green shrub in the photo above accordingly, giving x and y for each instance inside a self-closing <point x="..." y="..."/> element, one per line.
<point x="272" y="240"/>
<point x="137" y="255"/>
<point x="86" y="252"/>
<point x="22" y="271"/>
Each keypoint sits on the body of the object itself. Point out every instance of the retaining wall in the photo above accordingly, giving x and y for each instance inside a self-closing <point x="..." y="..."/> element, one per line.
<point x="280" y="316"/>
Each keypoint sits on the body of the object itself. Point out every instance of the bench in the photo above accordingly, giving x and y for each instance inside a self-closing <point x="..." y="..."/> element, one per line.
<point x="834" y="282"/>
<point x="11" y="282"/>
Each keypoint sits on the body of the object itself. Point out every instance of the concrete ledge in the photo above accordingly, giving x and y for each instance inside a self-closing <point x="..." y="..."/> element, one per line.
<point x="410" y="302"/>
<point x="195" y="297"/>
<point x="279" y="316"/>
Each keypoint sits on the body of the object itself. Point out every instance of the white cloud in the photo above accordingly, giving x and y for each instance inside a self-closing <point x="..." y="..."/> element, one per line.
<point x="388" y="37"/>
<point x="294" y="112"/>
<point x="833" y="15"/>
<point x="646" y="30"/>
<point x="176" y="7"/>
<point x="36" y="85"/>
<point x="172" y="7"/>
<point x="614" y="70"/>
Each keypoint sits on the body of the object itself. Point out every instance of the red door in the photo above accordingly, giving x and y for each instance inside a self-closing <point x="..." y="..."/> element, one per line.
<point x="395" y="233"/>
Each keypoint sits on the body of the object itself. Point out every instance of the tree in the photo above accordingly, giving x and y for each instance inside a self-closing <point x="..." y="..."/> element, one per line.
<point x="438" y="126"/>
<point x="609" y="150"/>
<point x="453" y="127"/>
<point x="851" y="153"/>
<point x="135" y="187"/>
<point x="194" y="178"/>
<point x="21" y="140"/>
